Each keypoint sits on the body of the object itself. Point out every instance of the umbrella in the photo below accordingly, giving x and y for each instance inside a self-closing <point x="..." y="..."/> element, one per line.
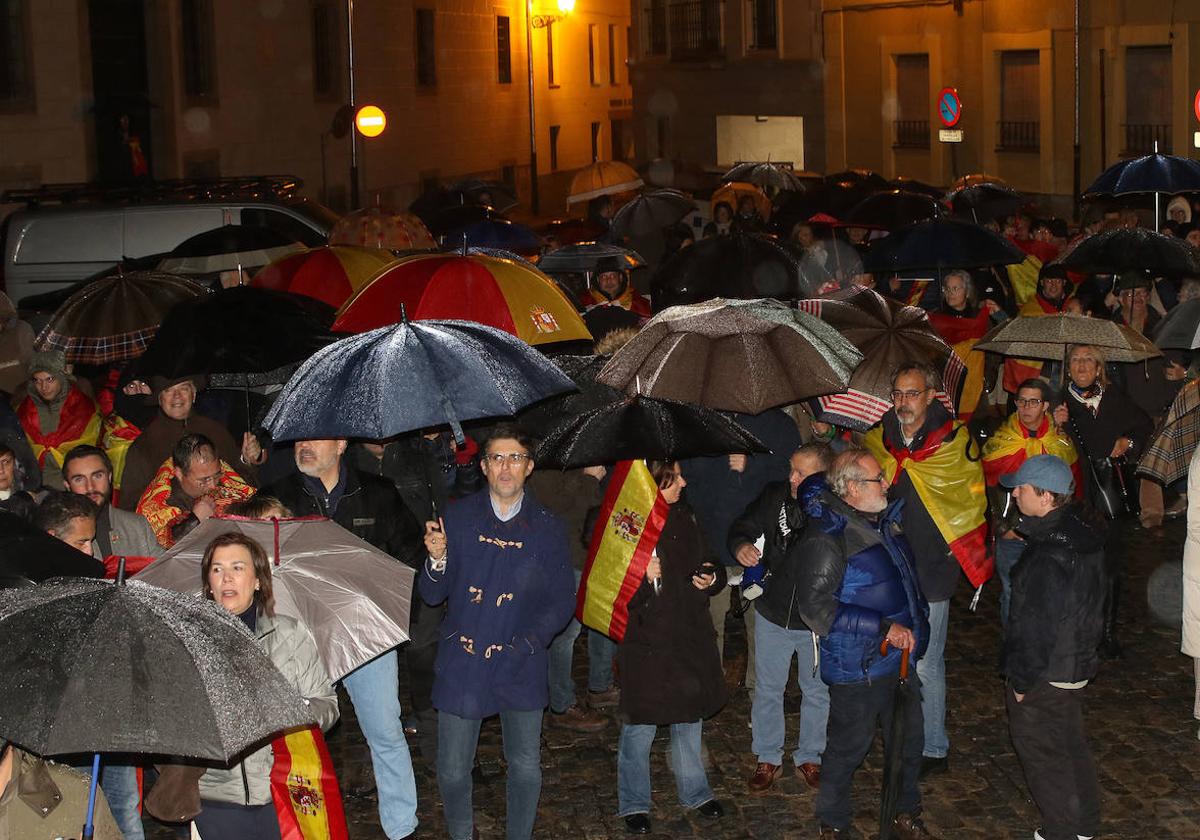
<point x="734" y="191"/>
<point x="93" y="666"/>
<point x="767" y="175"/>
<point x="511" y="296"/>
<point x="1167" y="458"/>
<point x="865" y="178"/>
<point x="1180" y="330"/>
<point x="840" y="264"/>
<point x="740" y="265"/>
<point x="1133" y="249"/>
<point x="496" y="233"/>
<point x="572" y="231"/>
<point x="734" y="355"/>
<point x="893" y="752"/>
<point x="329" y="274"/>
<point x="26" y="552"/>
<point x="115" y="317"/>
<point x="493" y="193"/>
<point x="886" y="333"/>
<point x="383" y="228"/>
<point x="939" y="245"/>
<point x="642" y="427"/>
<point x="604" y="177"/>
<point x="586" y="257"/>
<point x="412" y="376"/>
<point x="913" y="185"/>
<point x="1155" y="173"/>
<point x="353" y="597"/>
<point x="976" y="178"/>
<point x="1049" y="336"/>
<point x="984" y="202"/>
<point x="238" y="330"/>
<point x="450" y="218"/>
<point x="590" y="395"/>
<point x="650" y="212"/>
<point x="679" y="175"/>
<point x="892" y="209"/>
<point x="228" y="248"/>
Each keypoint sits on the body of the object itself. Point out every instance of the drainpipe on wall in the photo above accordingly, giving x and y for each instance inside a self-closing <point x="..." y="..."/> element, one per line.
<point x="1076" y="186"/>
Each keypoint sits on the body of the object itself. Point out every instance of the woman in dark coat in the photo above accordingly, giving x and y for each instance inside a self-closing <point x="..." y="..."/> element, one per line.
<point x="670" y="668"/>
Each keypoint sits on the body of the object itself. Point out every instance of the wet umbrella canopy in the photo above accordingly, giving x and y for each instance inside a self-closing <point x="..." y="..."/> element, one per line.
<point x="739" y="265"/>
<point x="650" y="212"/>
<point x="26" y="552"/>
<point x="1148" y="174"/>
<point x="90" y="666"/>
<point x="589" y="256"/>
<point x="228" y="248"/>
<point x="1049" y="336"/>
<point x="892" y="209"/>
<point x="1133" y="249"/>
<point x="939" y="245"/>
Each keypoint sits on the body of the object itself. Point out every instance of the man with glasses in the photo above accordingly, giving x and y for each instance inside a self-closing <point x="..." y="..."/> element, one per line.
<point x="927" y="455"/>
<point x="1028" y="432"/>
<point x="502" y="564"/>
<point x="856" y="587"/>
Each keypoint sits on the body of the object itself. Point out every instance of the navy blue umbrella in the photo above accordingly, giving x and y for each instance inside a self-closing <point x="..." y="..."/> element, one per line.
<point x="938" y="245"/>
<point x="496" y="233"/>
<point x="1148" y="174"/>
<point x="410" y="376"/>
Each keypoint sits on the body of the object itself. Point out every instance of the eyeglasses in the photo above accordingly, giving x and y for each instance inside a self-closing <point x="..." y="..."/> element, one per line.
<point x="1032" y="402"/>
<point x="879" y="479"/>
<point x="499" y="459"/>
<point x="899" y="396"/>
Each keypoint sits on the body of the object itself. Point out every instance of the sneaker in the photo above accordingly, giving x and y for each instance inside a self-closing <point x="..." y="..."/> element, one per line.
<point x="577" y="719"/>
<point x="764" y="776"/>
<point x="909" y="827"/>
<point x="603" y="699"/>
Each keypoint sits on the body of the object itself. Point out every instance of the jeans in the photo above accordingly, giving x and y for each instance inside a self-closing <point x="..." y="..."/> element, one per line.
<point x="1008" y="552"/>
<point x="776" y="647"/>
<point x="932" y="671"/>
<point x="457" y="739"/>
<point x="561" y="654"/>
<point x="374" y="690"/>
<point x="1048" y="735"/>
<point x="601" y="651"/>
<point x="120" y="785"/>
<point x="633" y="767"/>
<point x="855" y="710"/>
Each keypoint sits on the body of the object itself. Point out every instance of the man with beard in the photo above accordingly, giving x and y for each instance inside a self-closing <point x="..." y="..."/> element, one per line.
<point x="87" y="471"/>
<point x="927" y="457"/>
<point x="369" y="507"/>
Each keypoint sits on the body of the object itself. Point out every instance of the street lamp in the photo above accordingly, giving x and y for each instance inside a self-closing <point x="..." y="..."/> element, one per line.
<point x="532" y="22"/>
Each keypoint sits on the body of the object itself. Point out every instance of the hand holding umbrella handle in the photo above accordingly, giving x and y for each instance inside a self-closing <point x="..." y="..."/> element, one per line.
<point x="883" y="649"/>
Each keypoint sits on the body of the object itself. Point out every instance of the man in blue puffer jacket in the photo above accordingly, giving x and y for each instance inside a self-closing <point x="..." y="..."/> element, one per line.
<point x="858" y="587"/>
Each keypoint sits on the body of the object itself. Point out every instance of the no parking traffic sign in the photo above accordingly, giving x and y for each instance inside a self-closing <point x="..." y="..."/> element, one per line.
<point x="949" y="107"/>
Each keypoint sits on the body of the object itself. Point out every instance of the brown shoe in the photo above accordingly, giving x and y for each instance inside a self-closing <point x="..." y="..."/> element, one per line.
<point x="577" y="719"/>
<point x="811" y="773"/>
<point x="908" y="827"/>
<point x="604" y="699"/>
<point x="828" y="831"/>
<point x="764" y="776"/>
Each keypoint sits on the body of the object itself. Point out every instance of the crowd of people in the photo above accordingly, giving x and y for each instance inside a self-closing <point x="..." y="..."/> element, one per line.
<point x="864" y="539"/>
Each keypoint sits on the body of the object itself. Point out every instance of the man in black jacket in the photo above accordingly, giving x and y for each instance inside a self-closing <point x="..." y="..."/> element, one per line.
<point x="1054" y="627"/>
<point x="774" y="521"/>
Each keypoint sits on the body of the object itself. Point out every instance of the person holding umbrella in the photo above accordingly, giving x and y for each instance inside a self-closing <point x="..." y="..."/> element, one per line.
<point x="40" y="798"/>
<point x="670" y="669"/>
<point x="236" y="573"/>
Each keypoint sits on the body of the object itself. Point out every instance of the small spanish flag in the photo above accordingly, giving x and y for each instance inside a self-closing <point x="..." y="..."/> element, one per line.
<point x="304" y="788"/>
<point x="630" y="522"/>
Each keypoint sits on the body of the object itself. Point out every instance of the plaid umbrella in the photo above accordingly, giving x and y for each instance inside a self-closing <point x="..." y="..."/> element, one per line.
<point x="1167" y="459"/>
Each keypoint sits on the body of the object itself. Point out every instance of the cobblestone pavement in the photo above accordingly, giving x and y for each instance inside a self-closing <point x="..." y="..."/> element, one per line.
<point x="1139" y="714"/>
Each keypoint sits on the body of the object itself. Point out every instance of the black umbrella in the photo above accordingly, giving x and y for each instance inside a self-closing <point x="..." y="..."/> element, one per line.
<point x="650" y="212"/>
<point x="865" y="178"/>
<point x="26" y="552"/>
<point x="444" y="220"/>
<point x="643" y="427"/>
<point x="492" y="193"/>
<point x="228" y="248"/>
<point x="939" y="245"/>
<point x="985" y="202"/>
<point x="769" y="176"/>
<point x="740" y="265"/>
<point x="892" y="209"/>
<point x="679" y="175"/>
<point x="1180" y="330"/>
<point x="412" y="376"/>
<point x="591" y="395"/>
<point x="893" y="752"/>
<point x="1154" y="173"/>
<point x="1133" y="249"/>
<point x="584" y="257"/>
<point x="913" y="185"/>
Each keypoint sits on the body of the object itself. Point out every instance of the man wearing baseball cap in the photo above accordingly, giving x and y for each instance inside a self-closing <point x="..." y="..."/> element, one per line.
<point x="1055" y="620"/>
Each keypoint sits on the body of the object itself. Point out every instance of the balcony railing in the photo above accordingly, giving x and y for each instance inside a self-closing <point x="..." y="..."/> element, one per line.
<point x="911" y="134"/>
<point x="763" y="26"/>
<point x="1140" y="139"/>
<point x="1018" y="136"/>
<point x="656" y="28"/>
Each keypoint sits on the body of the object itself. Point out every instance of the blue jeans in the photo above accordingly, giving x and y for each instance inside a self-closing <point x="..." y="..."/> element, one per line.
<point x="1008" y="552"/>
<point x="601" y="651"/>
<point x="561" y="655"/>
<point x="932" y="671"/>
<point x="776" y="647"/>
<point x="120" y="786"/>
<point x="457" y="739"/>
<point x="633" y="767"/>
<point x="374" y="690"/>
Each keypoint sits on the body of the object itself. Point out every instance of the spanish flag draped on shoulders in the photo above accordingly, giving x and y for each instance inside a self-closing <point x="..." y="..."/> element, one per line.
<point x="166" y="506"/>
<point x="962" y="331"/>
<point x="938" y="474"/>
<point x="1011" y="444"/>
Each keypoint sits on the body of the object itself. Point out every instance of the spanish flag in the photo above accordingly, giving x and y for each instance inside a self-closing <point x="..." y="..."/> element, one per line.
<point x="304" y="788"/>
<point x="79" y="422"/>
<point x="1008" y="448"/>
<point x="630" y="522"/>
<point x="962" y="334"/>
<point x="116" y="436"/>
<point x="951" y="488"/>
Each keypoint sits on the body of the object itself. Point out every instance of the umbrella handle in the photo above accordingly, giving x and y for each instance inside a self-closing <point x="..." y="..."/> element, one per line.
<point x="883" y="649"/>
<point x="89" y="824"/>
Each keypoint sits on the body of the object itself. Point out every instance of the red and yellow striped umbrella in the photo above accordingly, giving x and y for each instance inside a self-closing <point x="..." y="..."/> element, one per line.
<point x="379" y="227"/>
<point x="330" y="274"/>
<point x="502" y="293"/>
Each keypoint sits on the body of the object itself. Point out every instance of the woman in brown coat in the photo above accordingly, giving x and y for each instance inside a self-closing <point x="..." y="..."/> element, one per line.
<point x="670" y="668"/>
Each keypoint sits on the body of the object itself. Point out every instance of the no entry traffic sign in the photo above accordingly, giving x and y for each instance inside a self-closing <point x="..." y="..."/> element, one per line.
<point x="949" y="107"/>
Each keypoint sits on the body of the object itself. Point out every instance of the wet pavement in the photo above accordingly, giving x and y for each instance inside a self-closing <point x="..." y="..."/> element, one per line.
<point x="1139" y="716"/>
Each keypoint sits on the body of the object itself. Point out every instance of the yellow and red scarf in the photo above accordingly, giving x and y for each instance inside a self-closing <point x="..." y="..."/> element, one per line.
<point x="164" y="516"/>
<point x="1010" y="445"/>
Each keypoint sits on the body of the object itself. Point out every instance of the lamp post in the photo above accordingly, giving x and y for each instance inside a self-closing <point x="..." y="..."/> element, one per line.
<point x="353" y="134"/>
<point x="533" y="22"/>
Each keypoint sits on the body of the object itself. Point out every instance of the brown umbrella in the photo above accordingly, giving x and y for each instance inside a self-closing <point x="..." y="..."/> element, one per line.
<point x="1168" y="457"/>
<point x="1049" y="336"/>
<point x="734" y="355"/>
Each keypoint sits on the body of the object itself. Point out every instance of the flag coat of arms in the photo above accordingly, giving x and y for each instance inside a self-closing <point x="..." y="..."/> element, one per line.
<point x="304" y="788"/>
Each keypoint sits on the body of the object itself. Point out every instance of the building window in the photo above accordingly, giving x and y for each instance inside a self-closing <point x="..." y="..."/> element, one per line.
<point x="593" y="49"/>
<point x="612" y="54"/>
<point x="1148" y="103"/>
<point x="696" y="30"/>
<point x="595" y="142"/>
<point x="550" y="55"/>
<point x="199" y="56"/>
<point x="326" y="54"/>
<point x="16" y="82"/>
<point x="426" y="48"/>
<point x="554" y="147"/>
<point x="503" y="50"/>
<point x="1020" y="107"/>
<point x="912" y="102"/>
<point x="762" y="26"/>
<point x="656" y="27"/>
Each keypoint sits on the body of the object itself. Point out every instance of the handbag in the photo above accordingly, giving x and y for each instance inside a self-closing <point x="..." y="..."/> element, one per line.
<point x="1110" y="487"/>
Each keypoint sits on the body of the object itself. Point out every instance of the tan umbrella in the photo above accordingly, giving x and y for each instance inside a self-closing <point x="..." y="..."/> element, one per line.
<point x="1049" y="336"/>
<point x="604" y="177"/>
<point x="379" y="227"/>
